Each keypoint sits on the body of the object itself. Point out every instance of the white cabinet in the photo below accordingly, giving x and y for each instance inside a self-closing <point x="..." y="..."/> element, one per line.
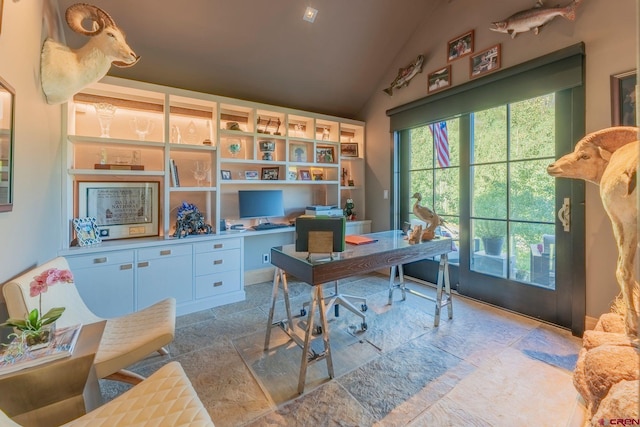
<point x="218" y="267"/>
<point x="105" y="281"/>
<point x="162" y="272"/>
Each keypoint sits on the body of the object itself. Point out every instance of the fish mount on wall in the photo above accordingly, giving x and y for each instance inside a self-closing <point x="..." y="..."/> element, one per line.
<point x="405" y="75"/>
<point x="534" y="18"/>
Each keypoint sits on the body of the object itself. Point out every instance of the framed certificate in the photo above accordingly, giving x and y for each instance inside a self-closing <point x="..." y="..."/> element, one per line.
<point x="121" y="209"/>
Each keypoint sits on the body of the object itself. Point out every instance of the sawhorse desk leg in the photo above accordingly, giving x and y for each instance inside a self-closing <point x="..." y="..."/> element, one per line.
<point x="443" y="286"/>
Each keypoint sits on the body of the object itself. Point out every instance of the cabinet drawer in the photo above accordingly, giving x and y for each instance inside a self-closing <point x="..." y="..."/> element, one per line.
<point x="100" y="259"/>
<point x="216" y="284"/>
<point x="216" y="245"/>
<point x="217" y="262"/>
<point x="163" y="252"/>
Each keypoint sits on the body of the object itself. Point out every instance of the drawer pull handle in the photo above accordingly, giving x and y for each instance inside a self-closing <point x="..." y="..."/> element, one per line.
<point x="218" y="246"/>
<point x="126" y="266"/>
<point x="143" y="264"/>
<point x="216" y="284"/>
<point x="100" y="260"/>
<point x="166" y="252"/>
<point x="217" y="262"/>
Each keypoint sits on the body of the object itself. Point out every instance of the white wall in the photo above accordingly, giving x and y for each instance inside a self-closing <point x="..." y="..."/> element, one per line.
<point x="30" y="234"/>
<point x="608" y="29"/>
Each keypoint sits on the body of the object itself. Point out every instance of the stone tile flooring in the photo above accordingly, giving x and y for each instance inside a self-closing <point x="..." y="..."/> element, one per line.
<point x="485" y="367"/>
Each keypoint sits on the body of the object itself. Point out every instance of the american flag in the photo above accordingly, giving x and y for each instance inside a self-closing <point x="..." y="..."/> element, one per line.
<point x="441" y="142"/>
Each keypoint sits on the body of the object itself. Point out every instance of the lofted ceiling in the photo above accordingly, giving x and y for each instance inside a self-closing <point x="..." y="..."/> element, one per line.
<point x="262" y="50"/>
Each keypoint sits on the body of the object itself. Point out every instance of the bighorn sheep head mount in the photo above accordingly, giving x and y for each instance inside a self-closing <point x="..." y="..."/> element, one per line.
<point x="65" y="71"/>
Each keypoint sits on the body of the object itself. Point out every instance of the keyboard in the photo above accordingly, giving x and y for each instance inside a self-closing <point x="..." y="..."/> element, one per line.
<point x="269" y="226"/>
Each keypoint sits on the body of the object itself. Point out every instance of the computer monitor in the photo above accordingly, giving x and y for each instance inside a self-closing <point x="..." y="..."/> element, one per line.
<point x="307" y="224"/>
<point x="260" y="204"/>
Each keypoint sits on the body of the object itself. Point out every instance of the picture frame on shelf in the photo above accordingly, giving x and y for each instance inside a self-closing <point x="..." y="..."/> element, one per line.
<point x="485" y="62"/>
<point x="87" y="232"/>
<point x="251" y="175"/>
<point x="460" y="46"/>
<point x="270" y="174"/>
<point x="121" y="209"/>
<point x="298" y="153"/>
<point x="349" y="149"/>
<point x="439" y="79"/>
<point x="623" y="105"/>
<point x="292" y="174"/>
<point x="225" y="174"/>
<point x="304" y="175"/>
<point x="325" y="154"/>
<point x="317" y="174"/>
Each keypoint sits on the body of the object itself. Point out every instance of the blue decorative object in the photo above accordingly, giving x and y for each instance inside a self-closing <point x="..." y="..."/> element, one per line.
<point x="190" y="221"/>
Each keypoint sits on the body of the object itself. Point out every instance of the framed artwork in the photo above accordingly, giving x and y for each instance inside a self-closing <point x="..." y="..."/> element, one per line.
<point x="460" y="46"/>
<point x="251" y="175"/>
<point x="270" y="174"/>
<point x="298" y="153"/>
<point x="225" y="174"/>
<point x="623" y="99"/>
<point x="325" y="154"/>
<point x="439" y="79"/>
<point x="304" y="175"/>
<point x="349" y="149"/>
<point x="292" y="174"/>
<point x="317" y="174"/>
<point x="87" y="231"/>
<point x="485" y="62"/>
<point x="121" y="209"/>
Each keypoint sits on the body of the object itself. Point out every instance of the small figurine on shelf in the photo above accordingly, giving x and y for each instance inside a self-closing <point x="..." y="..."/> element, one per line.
<point x="190" y="222"/>
<point x="343" y="177"/>
<point x="348" y="210"/>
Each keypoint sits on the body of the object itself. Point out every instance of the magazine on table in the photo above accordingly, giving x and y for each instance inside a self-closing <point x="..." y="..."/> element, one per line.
<point x="62" y="345"/>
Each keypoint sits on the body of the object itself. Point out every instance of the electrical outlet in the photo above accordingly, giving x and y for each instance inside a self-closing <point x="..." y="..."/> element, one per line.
<point x="266" y="259"/>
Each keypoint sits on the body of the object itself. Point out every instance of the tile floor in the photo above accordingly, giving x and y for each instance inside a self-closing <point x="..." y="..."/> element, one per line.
<point x="485" y="367"/>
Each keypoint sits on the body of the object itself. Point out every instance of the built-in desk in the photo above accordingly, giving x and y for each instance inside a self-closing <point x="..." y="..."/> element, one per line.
<point x="390" y="250"/>
<point x="56" y="392"/>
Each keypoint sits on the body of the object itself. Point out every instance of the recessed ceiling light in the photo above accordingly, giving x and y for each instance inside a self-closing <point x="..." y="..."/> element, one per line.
<point x="310" y="14"/>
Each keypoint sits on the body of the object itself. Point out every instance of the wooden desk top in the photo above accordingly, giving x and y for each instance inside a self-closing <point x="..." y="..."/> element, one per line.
<point x="390" y="249"/>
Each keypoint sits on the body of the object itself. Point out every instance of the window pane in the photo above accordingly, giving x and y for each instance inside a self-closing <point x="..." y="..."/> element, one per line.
<point x="421" y="148"/>
<point x="532" y="192"/>
<point x="421" y="182"/>
<point x="535" y="253"/>
<point x="447" y="191"/>
<point x="533" y="128"/>
<point x="489" y="191"/>
<point x="488" y="249"/>
<point x="490" y="135"/>
<point x="453" y="129"/>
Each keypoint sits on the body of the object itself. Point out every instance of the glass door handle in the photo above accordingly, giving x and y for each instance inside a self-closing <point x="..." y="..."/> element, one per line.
<point x="564" y="214"/>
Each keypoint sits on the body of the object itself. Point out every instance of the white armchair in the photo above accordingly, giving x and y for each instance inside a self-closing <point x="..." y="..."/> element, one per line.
<point x="126" y="339"/>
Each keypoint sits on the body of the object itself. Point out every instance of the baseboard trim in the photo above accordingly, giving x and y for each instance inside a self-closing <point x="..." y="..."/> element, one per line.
<point x="590" y="323"/>
<point x="259" y="275"/>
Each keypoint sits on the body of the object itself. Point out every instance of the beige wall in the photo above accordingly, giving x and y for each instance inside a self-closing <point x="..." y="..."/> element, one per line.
<point x="30" y="234"/>
<point x="608" y="29"/>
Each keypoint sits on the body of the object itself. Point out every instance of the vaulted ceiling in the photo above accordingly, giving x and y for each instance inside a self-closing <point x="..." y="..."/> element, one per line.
<point x="262" y="50"/>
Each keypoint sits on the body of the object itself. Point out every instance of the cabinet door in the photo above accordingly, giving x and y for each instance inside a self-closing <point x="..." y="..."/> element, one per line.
<point x="164" y="272"/>
<point x="105" y="282"/>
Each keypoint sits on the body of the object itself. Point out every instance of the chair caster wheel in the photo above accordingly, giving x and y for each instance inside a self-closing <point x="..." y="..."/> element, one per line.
<point x="364" y="326"/>
<point x="303" y="312"/>
<point x="364" y="307"/>
<point x="317" y="330"/>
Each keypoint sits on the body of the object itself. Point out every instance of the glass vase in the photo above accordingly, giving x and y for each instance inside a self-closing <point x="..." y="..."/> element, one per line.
<point x="34" y="340"/>
<point x="105" y="112"/>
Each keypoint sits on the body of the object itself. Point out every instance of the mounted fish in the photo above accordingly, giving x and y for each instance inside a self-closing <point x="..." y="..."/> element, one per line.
<point x="405" y="75"/>
<point x="535" y="18"/>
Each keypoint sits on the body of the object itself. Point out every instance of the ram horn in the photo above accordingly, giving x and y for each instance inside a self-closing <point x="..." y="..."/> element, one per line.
<point x="77" y="13"/>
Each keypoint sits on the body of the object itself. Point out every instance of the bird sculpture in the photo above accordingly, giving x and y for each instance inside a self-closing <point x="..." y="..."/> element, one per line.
<point x="431" y="219"/>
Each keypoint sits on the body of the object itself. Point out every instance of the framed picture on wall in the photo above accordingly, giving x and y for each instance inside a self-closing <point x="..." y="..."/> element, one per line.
<point x="486" y="61"/>
<point x="623" y="99"/>
<point x="439" y="79"/>
<point x="460" y="46"/>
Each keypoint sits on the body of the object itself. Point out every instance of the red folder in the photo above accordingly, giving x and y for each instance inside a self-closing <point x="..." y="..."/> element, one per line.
<point x="352" y="239"/>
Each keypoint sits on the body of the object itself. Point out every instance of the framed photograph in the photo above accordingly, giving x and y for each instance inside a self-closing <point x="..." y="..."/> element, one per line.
<point x="325" y="154"/>
<point x="623" y="99"/>
<point x="439" y="79"/>
<point x="298" y="153"/>
<point x="121" y="209"/>
<point x="225" y="174"/>
<point x="87" y="231"/>
<point x="292" y="174"/>
<point x="251" y="175"/>
<point x="485" y="61"/>
<point x="317" y="174"/>
<point x="349" y="149"/>
<point x="460" y="46"/>
<point x="304" y="175"/>
<point x="270" y="174"/>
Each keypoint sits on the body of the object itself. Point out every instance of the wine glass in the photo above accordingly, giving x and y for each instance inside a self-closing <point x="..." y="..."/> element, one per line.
<point x="200" y="171"/>
<point x="142" y="127"/>
<point x="105" y="112"/>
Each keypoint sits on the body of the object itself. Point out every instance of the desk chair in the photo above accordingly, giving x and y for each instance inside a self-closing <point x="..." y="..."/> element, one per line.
<point x="126" y="339"/>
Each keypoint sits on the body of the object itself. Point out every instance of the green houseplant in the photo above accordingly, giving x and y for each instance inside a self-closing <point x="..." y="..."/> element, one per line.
<point x="492" y="234"/>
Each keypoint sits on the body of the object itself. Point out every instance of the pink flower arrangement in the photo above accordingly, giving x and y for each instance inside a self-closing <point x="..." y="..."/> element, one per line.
<point x="49" y="278"/>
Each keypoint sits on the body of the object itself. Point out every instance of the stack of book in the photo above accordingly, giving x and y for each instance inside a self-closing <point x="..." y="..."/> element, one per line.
<point x="322" y="210"/>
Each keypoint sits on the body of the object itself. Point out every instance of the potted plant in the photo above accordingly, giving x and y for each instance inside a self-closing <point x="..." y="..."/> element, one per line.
<point x="492" y="234"/>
